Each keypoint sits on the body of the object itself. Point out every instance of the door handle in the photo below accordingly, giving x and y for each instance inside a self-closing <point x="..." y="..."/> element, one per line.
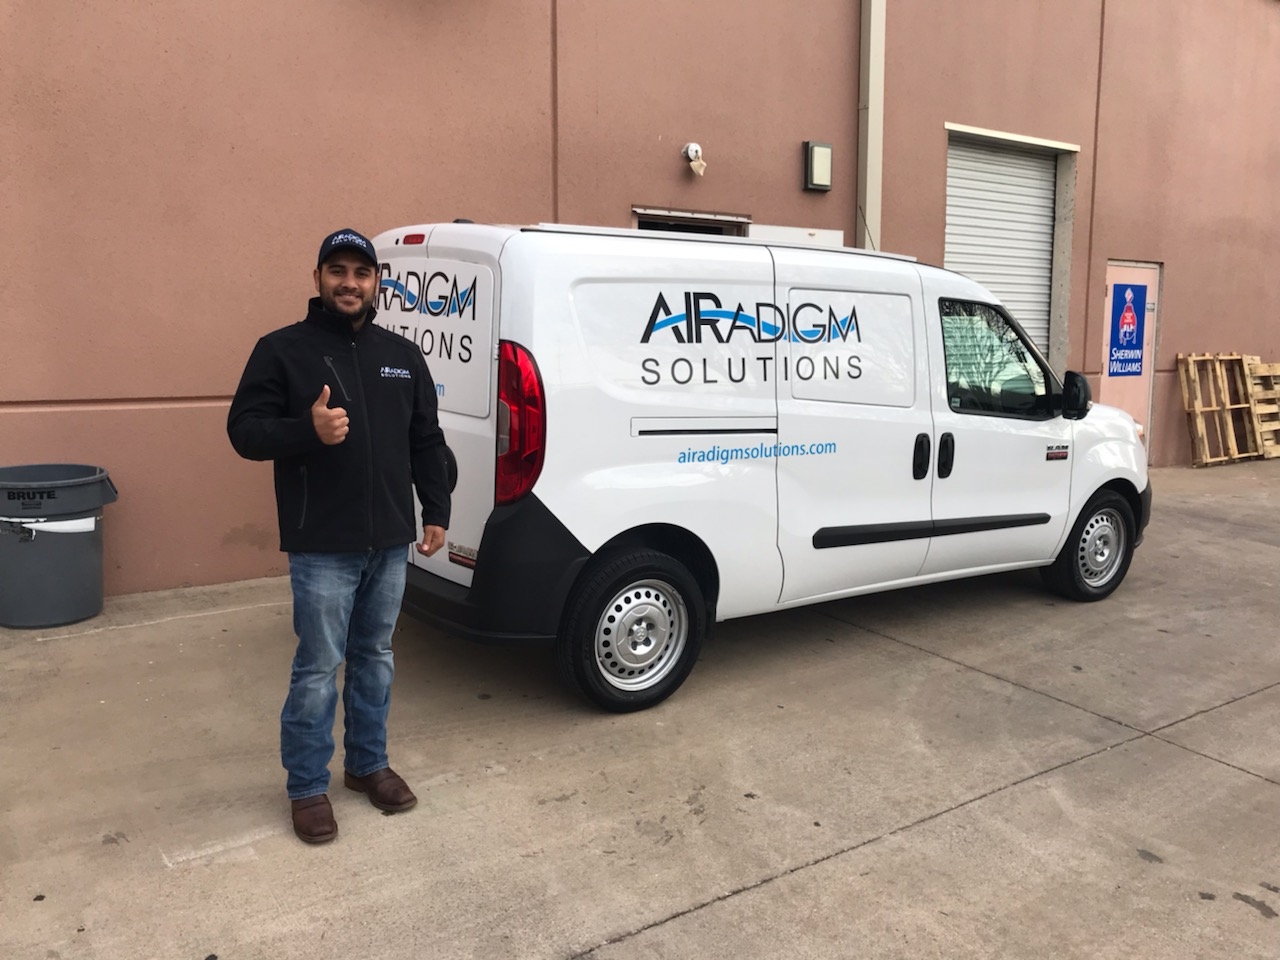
<point x="920" y="460"/>
<point x="946" y="455"/>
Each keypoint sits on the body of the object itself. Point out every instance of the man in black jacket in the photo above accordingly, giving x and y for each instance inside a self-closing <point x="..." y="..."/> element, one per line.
<point x="347" y="411"/>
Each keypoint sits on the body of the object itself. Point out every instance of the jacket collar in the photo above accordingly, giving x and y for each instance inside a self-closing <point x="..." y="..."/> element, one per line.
<point x="318" y="314"/>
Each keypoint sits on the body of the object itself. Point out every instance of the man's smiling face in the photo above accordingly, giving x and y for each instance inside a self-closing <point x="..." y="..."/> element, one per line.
<point x="347" y="284"/>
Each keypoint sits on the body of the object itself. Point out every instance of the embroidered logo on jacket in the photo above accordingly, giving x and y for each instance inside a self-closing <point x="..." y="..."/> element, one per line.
<point x="396" y="373"/>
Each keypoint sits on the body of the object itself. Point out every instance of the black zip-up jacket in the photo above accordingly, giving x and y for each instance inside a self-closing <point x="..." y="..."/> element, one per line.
<point x="358" y="494"/>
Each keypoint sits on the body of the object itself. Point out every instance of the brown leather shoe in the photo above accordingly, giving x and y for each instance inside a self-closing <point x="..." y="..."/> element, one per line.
<point x="313" y="819"/>
<point x="385" y="788"/>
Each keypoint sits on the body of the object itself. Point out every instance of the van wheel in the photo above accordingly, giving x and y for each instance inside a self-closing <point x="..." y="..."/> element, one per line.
<point x="1096" y="556"/>
<point x="632" y="630"/>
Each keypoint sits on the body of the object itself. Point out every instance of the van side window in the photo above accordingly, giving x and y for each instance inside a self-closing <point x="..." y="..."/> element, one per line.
<point x="990" y="369"/>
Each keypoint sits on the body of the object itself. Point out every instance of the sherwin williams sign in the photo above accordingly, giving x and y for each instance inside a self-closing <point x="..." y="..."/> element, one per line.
<point x="1128" y="323"/>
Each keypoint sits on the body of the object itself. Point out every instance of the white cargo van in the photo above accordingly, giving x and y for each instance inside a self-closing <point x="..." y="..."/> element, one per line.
<point x="656" y="431"/>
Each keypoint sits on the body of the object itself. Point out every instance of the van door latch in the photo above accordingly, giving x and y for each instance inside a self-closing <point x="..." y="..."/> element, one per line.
<point x="946" y="455"/>
<point x="920" y="461"/>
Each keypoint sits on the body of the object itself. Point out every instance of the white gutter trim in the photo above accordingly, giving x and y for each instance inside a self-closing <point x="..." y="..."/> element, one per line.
<point x="871" y="63"/>
<point x="980" y="133"/>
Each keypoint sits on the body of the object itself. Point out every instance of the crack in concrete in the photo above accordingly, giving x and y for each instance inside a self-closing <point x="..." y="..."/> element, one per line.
<point x="816" y="861"/>
<point x="1139" y="734"/>
<point x="151" y="623"/>
<point x="1153" y="734"/>
<point x="1225" y="703"/>
<point x="985" y="673"/>
<point x="1219" y="760"/>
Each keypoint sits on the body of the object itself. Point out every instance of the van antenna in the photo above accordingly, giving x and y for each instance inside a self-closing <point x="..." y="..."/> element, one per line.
<point x="867" y="229"/>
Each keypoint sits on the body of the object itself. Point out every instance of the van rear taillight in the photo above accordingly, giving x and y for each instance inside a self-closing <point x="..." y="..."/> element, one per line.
<point x="522" y="422"/>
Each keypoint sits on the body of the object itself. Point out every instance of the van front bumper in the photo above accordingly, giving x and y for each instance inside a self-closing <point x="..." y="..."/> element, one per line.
<point x="526" y="565"/>
<point x="1145" y="518"/>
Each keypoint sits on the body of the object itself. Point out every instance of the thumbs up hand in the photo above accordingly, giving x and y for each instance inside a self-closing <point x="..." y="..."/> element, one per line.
<point x="331" y="425"/>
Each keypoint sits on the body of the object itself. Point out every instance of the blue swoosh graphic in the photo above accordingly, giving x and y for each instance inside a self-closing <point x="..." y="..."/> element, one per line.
<point x="456" y="305"/>
<point x="410" y="299"/>
<point x="765" y="327"/>
<point x="842" y="324"/>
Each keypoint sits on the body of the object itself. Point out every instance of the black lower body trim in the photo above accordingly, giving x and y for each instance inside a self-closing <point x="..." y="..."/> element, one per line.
<point x="867" y="533"/>
<point x="871" y="533"/>
<point x="709" y="432"/>
<point x="525" y="566"/>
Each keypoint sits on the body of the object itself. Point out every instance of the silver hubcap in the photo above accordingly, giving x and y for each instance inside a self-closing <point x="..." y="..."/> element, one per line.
<point x="1101" y="547"/>
<point x="641" y="635"/>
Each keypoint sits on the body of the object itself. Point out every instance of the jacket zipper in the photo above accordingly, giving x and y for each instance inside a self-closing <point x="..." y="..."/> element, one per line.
<point x="341" y="386"/>
<point x="368" y="440"/>
<point x="303" y="519"/>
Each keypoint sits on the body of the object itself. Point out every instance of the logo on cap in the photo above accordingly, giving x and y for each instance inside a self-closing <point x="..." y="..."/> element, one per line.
<point x="346" y="237"/>
<point x="355" y="238"/>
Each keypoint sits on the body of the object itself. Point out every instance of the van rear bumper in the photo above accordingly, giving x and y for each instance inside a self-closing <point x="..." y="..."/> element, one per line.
<point x="526" y="564"/>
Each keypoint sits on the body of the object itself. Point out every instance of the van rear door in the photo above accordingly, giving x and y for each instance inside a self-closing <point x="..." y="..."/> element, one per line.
<point x="438" y="288"/>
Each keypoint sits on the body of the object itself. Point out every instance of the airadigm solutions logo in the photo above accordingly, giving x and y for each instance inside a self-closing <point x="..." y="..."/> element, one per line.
<point x="706" y="320"/>
<point x="437" y="295"/>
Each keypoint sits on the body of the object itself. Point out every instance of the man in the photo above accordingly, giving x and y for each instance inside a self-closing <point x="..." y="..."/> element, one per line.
<point x="347" y="410"/>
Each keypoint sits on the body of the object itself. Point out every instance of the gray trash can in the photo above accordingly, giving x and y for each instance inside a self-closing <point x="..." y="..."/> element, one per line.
<point x="51" y="543"/>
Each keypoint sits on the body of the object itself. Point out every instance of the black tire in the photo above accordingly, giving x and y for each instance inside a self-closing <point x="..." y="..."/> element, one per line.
<point x="655" y="604"/>
<point x="1094" y="560"/>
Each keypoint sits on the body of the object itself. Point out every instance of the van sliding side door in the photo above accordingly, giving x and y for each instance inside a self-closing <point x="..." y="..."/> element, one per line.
<point x="855" y="449"/>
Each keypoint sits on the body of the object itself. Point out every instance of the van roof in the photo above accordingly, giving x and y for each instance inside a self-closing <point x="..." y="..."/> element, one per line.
<point x="493" y="238"/>
<point x="702" y="238"/>
<point x="496" y="236"/>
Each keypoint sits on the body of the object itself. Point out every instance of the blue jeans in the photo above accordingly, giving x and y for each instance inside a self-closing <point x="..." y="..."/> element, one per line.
<point x="345" y="605"/>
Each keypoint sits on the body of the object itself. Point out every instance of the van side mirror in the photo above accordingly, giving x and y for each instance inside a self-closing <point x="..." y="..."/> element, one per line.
<point x="1076" y="396"/>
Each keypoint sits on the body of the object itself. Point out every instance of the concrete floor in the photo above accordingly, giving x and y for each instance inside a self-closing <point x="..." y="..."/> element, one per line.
<point x="967" y="770"/>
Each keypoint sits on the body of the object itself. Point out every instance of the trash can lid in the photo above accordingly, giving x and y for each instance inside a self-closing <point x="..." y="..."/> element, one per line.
<point x="45" y="475"/>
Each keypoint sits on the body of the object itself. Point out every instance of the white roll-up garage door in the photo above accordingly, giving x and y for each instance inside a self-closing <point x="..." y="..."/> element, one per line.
<point x="1000" y="227"/>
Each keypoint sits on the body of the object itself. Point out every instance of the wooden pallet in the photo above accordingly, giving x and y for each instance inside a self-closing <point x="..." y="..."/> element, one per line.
<point x="1242" y="435"/>
<point x="1264" y="400"/>
<point x="1216" y="391"/>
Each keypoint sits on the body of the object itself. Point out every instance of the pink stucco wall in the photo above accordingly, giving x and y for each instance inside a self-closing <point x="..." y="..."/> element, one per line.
<point x="748" y="82"/>
<point x="170" y="171"/>
<point x="1173" y="107"/>
<point x="1188" y="165"/>
<point x="170" y="168"/>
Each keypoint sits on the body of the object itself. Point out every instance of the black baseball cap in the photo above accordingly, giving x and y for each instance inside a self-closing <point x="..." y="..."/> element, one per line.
<point x="347" y="239"/>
